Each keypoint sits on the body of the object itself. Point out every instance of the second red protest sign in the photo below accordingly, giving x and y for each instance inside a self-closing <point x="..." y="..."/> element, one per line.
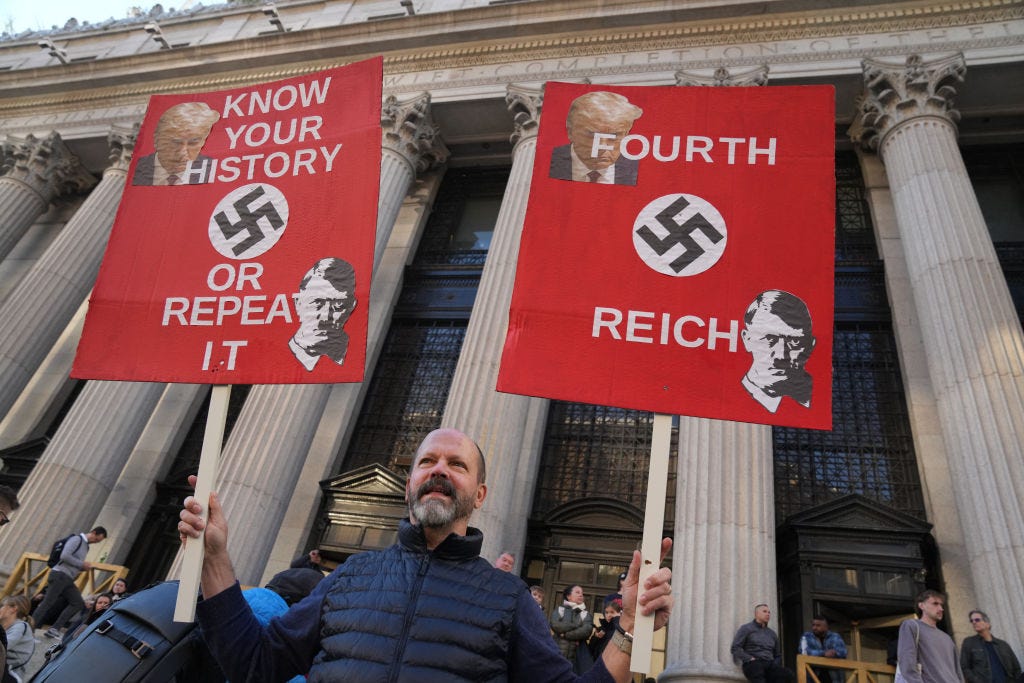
<point x="677" y="253"/>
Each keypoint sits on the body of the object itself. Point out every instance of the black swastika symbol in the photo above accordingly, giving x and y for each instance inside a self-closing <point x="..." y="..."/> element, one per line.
<point x="248" y="221"/>
<point x="679" y="233"/>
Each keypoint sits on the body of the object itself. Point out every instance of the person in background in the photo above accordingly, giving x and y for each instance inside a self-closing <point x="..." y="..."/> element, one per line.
<point x="17" y="625"/>
<point x="821" y="642"/>
<point x="985" y="658"/>
<point x="756" y="649"/>
<point x="926" y="654"/>
<point x="505" y="562"/>
<point x="609" y="623"/>
<point x="119" y="591"/>
<point x="572" y="624"/>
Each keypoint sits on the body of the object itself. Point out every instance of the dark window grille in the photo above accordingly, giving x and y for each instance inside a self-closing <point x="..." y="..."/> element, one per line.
<point x="870" y="449"/>
<point x="408" y="391"/>
<point x="592" y="450"/>
<point x="855" y="238"/>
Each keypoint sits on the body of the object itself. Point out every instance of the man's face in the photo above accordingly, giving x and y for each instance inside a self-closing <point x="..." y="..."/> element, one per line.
<point x="178" y="143"/>
<point x="933" y="608"/>
<point x="444" y="485"/>
<point x="819" y="627"/>
<point x="538" y="596"/>
<point x="584" y="125"/>
<point x="777" y="350"/>
<point x="505" y="562"/>
<point x="762" y="614"/>
<point x="93" y="537"/>
<point x="322" y="311"/>
<point x="102" y="603"/>
<point x="979" y="623"/>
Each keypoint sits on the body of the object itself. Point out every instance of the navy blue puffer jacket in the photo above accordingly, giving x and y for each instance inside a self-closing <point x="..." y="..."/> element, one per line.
<point x="408" y="614"/>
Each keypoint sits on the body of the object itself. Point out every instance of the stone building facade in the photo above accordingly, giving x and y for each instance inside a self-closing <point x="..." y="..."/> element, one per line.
<point x="920" y="483"/>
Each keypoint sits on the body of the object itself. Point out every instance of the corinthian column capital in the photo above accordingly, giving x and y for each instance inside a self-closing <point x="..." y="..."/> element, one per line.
<point x="525" y="104"/>
<point x="722" y="77"/>
<point x="122" y="143"/>
<point x="896" y="94"/>
<point x="46" y="165"/>
<point x="409" y="131"/>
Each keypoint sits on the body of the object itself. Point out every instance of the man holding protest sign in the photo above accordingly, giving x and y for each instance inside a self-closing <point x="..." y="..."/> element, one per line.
<point x="428" y="608"/>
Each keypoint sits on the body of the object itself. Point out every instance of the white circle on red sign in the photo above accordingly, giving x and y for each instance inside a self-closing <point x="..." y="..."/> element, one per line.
<point x="679" y="235"/>
<point x="248" y="221"/>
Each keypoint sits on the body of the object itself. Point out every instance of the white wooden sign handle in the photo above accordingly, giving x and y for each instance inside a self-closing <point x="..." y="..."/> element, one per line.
<point x="650" y="548"/>
<point x="209" y="464"/>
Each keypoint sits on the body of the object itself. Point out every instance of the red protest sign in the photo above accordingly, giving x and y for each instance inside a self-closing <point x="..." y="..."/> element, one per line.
<point x="677" y="253"/>
<point x="243" y="245"/>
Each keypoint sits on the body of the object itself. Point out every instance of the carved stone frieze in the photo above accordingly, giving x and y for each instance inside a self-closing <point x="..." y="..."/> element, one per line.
<point x="46" y="165"/>
<point x="409" y="130"/>
<point x="898" y="93"/>
<point x="722" y="77"/>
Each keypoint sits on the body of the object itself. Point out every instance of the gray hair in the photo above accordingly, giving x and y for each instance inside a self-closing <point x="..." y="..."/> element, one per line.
<point x="611" y="104"/>
<point x="188" y="114"/>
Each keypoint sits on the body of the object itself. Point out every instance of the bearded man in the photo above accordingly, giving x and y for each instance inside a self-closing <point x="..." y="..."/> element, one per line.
<point x="428" y="608"/>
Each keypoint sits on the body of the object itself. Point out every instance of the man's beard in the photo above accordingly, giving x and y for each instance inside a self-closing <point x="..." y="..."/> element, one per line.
<point x="436" y="513"/>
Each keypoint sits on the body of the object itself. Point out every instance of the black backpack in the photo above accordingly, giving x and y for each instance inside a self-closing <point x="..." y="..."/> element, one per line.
<point x="56" y="550"/>
<point x="136" y="640"/>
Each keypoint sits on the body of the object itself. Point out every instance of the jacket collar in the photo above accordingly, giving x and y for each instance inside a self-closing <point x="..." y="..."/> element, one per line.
<point x="455" y="547"/>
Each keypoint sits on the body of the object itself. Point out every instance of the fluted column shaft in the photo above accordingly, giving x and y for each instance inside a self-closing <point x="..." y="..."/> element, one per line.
<point x="723" y="559"/>
<point x="501" y="423"/>
<point x="148" y="463"/>
<point x="265" y="453"/>
<point x="971" y="334"/>
<point x="37" y="171"/>
<point x="84" y="458"/>
<point x="39" y="308"/>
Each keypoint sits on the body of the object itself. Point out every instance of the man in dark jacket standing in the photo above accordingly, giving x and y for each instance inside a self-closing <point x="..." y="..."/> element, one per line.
<point x="756" y="648"/>
<point x="428" y="608"/>
<point x="984" y="658"/>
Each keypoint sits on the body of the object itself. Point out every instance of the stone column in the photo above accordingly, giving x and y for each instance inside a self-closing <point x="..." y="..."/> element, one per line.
<point x="77" y="471"/>
<point x="265" y="453"/>
<point x="499" y="422"/>
<point x="35" y="172"/>
<point x="972" y="337"/>
<point x="40" y="307"/>
<point x="725" y="521"/>
<point x="724" y="554"/>
<point x="149" y="461"/>
<point x="49" y="389"/>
